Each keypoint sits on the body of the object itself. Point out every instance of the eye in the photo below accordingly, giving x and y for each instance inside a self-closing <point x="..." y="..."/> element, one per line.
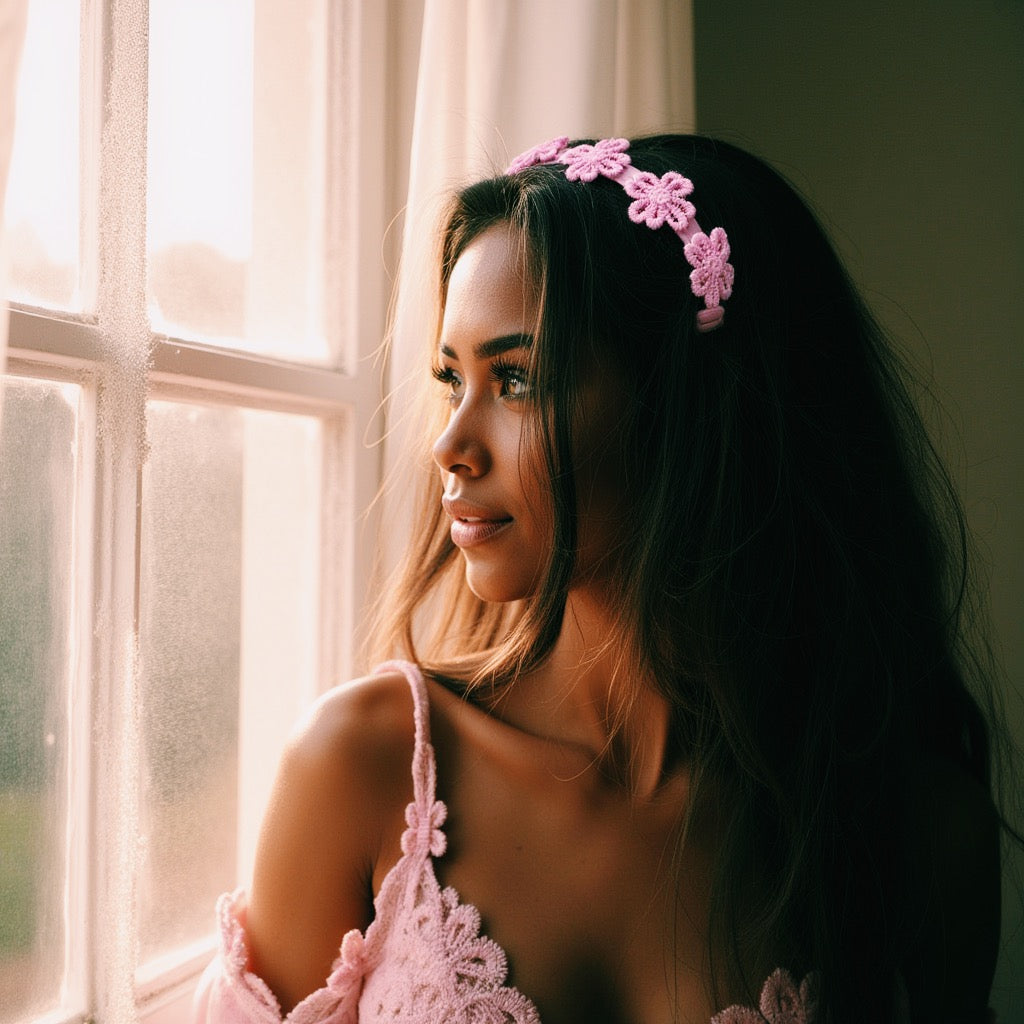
<point x="515" y="383"/>
<point x="447" y="376"/>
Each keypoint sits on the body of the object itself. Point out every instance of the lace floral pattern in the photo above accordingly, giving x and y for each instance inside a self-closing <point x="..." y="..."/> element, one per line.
<point x="781" y="1003"/>
<point x="545" y="153"/>
<point x="424" y="959"/>
<point x="436" y="966"/>
<point x="229" y="993"/>
<point x="424" y="831"/>
<point x="661" y="200"/>
<point x="712" y="275"/>
<point x="607" y="157"/>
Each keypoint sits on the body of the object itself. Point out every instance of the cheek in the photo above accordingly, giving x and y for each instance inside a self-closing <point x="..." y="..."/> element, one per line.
<point x="535" y="481"/>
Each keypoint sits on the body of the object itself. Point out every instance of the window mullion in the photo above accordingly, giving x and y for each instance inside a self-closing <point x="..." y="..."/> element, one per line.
<point x="355" y="222"/>
<point x="121" y="229"/>
<point x="78" y="954"/>
<point x="124" y="349"/>
<point x="116" y="746"/>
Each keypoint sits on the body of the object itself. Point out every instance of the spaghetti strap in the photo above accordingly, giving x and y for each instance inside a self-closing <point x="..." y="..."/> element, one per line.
<point x="426" y="814"/>
<point x="421" y="703"/>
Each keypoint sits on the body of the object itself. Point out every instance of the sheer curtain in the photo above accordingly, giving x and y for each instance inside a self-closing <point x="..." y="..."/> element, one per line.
<point x="496" y="76"/>
<point x="12" y="35"/>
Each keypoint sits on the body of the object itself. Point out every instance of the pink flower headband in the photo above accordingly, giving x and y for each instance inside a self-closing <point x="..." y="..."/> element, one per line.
<point x="656" y="201"/>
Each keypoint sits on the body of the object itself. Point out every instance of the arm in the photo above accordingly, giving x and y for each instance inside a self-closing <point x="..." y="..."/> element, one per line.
<point x="336" y="810"/>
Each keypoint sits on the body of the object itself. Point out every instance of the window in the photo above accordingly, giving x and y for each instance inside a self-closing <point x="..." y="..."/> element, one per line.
<point x="194" y="217"/>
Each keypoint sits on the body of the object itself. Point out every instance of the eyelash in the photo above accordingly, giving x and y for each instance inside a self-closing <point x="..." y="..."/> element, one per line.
<point x="500" y="371"/>
<point x="503" y="372"/>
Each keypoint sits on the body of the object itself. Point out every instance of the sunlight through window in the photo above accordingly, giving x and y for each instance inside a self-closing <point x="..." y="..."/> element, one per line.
<point x="37" y="495"/>
<point x="236" y="174"/>
<point x="42" y="206"/>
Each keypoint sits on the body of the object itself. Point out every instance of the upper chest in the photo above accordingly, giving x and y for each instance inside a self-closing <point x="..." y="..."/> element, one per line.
<point x="599" y="905"/>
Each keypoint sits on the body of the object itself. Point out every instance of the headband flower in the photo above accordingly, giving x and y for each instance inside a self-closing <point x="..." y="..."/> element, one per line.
<point x="656" y="202"/>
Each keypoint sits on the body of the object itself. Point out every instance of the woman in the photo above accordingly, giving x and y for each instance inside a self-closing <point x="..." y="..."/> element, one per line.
<point x="688" y="600"/>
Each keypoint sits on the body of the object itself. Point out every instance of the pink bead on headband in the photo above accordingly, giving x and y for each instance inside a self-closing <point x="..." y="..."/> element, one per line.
<point x="656" y="201"/>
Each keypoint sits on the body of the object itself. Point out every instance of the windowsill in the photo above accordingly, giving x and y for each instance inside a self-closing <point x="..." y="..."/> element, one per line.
<point x="164" y="977"/>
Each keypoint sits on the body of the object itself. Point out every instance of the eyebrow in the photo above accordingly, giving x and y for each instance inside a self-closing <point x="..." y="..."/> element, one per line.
<point x="494" y="346"/>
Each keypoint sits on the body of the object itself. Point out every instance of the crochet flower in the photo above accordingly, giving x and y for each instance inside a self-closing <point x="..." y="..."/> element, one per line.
<point x="781" y="1003"/>
<point x="542" y="154"/>
<point x="480" y="968"/>
<point x="607" y="157"/>
<point x="351" y="963"/>
<point x="660" y="200"/>
<point x="471" y="955"/>
<point x="424" y="831"/>
<point x="712" y="275"/>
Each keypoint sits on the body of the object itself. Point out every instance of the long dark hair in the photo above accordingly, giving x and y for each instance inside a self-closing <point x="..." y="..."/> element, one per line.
<point x="793" y="575"/>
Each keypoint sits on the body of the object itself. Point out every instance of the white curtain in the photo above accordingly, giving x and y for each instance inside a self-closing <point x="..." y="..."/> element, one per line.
<point x="13" y="14"/>
<point x="497" y="76"/>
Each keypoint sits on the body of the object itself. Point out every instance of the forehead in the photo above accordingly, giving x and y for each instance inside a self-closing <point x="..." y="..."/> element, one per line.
<point x="489" y="292"/>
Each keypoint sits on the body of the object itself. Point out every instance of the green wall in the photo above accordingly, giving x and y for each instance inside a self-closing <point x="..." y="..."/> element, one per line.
<point x="904" y="124"/>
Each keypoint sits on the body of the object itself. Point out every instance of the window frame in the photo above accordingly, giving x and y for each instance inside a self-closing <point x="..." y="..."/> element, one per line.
<point x="89" y="349"/>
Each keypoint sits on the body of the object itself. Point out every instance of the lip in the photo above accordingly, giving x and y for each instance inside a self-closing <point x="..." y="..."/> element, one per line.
<point x="473" y="524"/>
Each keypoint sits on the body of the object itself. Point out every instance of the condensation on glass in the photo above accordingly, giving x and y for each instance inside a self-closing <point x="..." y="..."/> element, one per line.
<point x="41" y="215"/>
<point x="38" y="460"/>
<point x="237" y="175"/>
<point x="228" y="642"/>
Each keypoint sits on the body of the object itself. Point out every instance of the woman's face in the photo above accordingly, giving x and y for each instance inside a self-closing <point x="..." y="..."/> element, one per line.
<point x="496" y="488"/>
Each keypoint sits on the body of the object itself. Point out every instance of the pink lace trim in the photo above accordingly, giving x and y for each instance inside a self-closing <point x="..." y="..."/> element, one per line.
<point x="430" y="960"/>
<point x="335" y="1003"/>
<point x="781" y="1003"/>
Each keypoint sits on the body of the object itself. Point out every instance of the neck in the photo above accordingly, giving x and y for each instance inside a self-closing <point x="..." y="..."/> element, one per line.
<point x="588" y="695"/>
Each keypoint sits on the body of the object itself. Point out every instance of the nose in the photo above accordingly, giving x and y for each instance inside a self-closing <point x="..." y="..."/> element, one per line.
<point x="461" y="447"/>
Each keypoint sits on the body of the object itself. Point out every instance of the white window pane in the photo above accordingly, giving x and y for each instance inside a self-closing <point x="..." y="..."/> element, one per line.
<point x="37" y="486"/>
<point x="228" y="638"/>
<point x="236" y="174"/>
<point x="42" y="207"/>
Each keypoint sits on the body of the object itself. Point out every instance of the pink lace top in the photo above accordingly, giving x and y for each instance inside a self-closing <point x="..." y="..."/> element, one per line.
<point x="422" y="960"/>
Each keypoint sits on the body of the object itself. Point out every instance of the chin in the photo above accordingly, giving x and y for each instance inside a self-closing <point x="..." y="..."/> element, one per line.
<point x="497" y="587"/>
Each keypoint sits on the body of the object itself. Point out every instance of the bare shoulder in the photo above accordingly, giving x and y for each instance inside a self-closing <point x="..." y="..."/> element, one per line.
<point x="363" y="725"/>
<point x="342" y="785"/>
<point x="956" y="839"/>
<point x="349" y="761"/>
